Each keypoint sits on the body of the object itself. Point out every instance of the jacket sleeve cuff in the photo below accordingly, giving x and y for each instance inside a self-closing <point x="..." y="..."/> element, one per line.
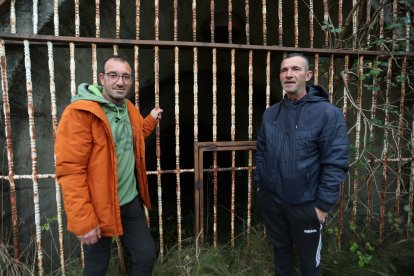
<point x="323" y="206"/>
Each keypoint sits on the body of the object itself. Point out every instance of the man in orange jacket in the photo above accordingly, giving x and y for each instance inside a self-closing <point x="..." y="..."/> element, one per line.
<point x="100" y="164"/>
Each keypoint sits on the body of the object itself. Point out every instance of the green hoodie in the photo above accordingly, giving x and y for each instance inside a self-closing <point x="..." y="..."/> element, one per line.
<point x="122" y="134"/>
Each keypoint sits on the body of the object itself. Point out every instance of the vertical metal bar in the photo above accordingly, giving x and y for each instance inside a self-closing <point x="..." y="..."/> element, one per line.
<point x="401" y="116"/>
<point x="72" y="69"/>
<point x="368" y="20"/>
<point x="177" y="125"/>
<point x="52" y="88"/>
<point x="13" y="16"/>
<point x="357" y="139"/>
<point x="195" y="70"/>
<point x="296" y="20"/>
<point x="326" y="21"/>
<point x="56" y="17"/>
<point x="136" y="58"/>
<point x="385" y="149"/>
<point x="117" y="23"/>
<point x="342" y="188"/>
<point x="233" y="126"/>
<point x="411" y="188"/>
<point x="214" y="69"/>
<point x="157" y="131"/>
<point x="35" y="17"/>
<point x="381" y="28"/>
<point x="264" y="16"/>
<point x="316" y="73"/>
<point x="268" y="79"/>
<point x="338" y="43"/>
<point x="311" y="31"/>
<point x="340" y="14"/>
<point x="77" y="18"/>
<point x="280" y="17"/>
<point x="250" y="124"/>
<point x="97" y="19"/>
<point x="400" y="144"/>
<point x="372" y="139"/>
<point x="355" y="25"/>
<point x="33" y="154"/>
<point x="195" y="111"/>
<point x="331" y="77"/>
<point x="97" y="35"/>
<point x="250" y="137"/>
<point x="9" y="147"/>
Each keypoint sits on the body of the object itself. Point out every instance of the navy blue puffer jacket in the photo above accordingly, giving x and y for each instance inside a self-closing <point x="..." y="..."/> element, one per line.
<point x="302" y="150"/>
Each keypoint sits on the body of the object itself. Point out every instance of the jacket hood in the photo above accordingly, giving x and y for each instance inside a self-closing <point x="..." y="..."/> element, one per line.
<point x="90" y="93"/>
<point x="314" y="93"/>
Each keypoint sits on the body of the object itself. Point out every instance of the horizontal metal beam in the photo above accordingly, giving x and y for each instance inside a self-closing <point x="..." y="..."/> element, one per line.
<point x="124" y="43"/>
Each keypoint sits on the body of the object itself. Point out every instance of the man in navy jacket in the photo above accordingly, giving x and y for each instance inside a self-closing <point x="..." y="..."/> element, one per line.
<point x="301" y="161"/>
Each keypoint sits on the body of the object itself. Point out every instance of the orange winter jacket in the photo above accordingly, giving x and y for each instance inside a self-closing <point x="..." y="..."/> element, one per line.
<point x="86" y="166"/>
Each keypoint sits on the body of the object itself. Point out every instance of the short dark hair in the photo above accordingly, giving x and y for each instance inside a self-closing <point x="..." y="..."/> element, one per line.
<point x="116" y="57"/>
<point x="291" y="55"/>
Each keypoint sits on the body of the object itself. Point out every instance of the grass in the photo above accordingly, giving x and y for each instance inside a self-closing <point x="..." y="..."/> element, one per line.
<point x="254" y="258"/>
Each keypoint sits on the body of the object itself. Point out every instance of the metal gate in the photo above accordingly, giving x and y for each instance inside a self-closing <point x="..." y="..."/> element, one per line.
<point x="360" y="51"/>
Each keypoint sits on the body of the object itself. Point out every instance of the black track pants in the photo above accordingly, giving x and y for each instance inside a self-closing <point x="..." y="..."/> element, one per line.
<point x="288" y="225"/>
<point x="137" y="239"/>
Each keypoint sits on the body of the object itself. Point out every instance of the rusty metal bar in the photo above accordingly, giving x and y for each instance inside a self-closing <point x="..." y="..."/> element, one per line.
<point x="311" y="31"/>
<point x="385" y="150"/>
<point x="157" y="130"/>
<point x="280" y="17"/>
<point x="264" y="17"/>
<point x="354" y="25"/>
<point x="177" y="126"/>
<point x="136" y="57"/>
<point x="357" y="140"/>
<point x="326" y="21"/>
<point x="77" y="18"/>
<point x="126" y="43"/>
<point x="296" y="21"/>
<point x="340" y="14"/>
<point x="35" y="17"/>
<point x="52" y="88"/>
<point x="331" y="77"/>
<point x="117" y="23"/>
<point x="268" y="79"/>
<point x="97" y="35"/>
<point x="195" y="70"/>
<point x="411" y="188"/>
<point x="250" y="138"/>
<point x="316" y="71"/>
<point x="372" y="140"/>
<point x="13" y="16"/>
<point x="233" y="126"/>
<point x="342" y="188"/>
<point x="198" y="200"/>
<point x="9" y="147"/>
<point x="72" y="69"/>
<point x="97" y="19"/>
<point x="33" y="154"/>
<point x="214" y="130"/>
<point x="368" y="19"/>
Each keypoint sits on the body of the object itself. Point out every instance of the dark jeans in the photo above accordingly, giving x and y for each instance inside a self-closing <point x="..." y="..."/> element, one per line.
<point x="288" y="225"/>
<point x="137" y="239"/>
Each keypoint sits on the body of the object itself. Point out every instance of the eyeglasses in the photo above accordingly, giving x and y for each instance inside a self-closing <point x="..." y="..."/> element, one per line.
<point x="114" y="77"/>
